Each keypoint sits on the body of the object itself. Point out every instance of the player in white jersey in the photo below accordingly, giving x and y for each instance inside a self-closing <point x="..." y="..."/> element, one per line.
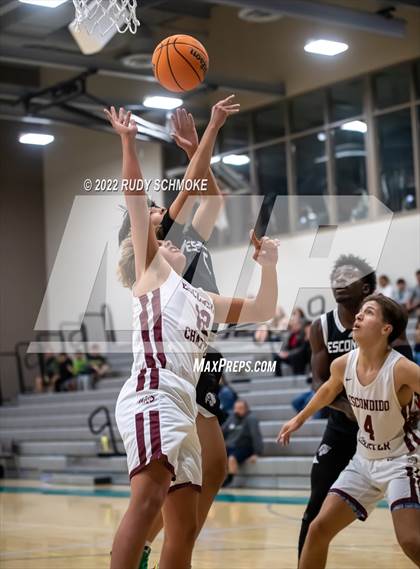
<point x="383" y="389"/>
<point x="156" y="409"/>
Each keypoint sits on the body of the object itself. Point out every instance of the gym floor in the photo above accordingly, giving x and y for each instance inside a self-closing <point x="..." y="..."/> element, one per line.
<point x="61" y="527"/>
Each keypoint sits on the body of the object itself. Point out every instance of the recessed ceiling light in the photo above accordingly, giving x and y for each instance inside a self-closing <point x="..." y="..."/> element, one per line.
<point x="138" y="61"/>
<point x="44" y="3"/>
<point x="355" y="126"/>
<point x="321" y="136"/>
<point x="165" y="103"/>
<point x="236" y="159"/>
<point x="258" y="15"/>
<point x="36" y="138"/>
<point x="326" y="47"/>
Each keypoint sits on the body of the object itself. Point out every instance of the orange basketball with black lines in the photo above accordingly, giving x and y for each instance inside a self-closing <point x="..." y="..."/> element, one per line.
<point x="180" y="63"/>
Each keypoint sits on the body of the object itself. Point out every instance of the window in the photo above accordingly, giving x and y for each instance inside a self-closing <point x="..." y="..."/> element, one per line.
<point x="269" y="123"/>
<point x="392" y="86"/>
<point x="396" y="155"/>
<point x="307" y="111"/>
<point x="272" y="180"/>
<point x="311" y="180"/>
<point x="235" y="133"/>
<point x="346" y="100"/>
<point x="350" y="174"/>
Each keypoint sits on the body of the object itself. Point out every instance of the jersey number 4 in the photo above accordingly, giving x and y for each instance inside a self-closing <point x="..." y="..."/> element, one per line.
<point x="369" y="427"/>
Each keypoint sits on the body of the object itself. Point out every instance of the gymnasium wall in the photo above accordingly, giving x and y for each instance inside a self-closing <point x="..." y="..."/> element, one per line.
<point x="75" y="155"/>
<point x="391" y="246"/>
<point x="22" y="246"/>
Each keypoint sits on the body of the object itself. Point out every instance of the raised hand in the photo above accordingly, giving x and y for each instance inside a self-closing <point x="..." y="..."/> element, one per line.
<point x="222" y="110"/>
<point x="122" y="122"/>
<point x="184" y="132"/>
<point x="288" y="428"/>
<point x="265" y="253"/>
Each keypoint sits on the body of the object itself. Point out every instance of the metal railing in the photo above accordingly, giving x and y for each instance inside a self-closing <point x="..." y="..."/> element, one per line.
<point x="25" y="361"/>
<point x="98" y="430"/>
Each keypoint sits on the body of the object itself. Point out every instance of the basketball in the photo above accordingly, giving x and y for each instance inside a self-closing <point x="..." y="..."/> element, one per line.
<point x="180" y="63"/>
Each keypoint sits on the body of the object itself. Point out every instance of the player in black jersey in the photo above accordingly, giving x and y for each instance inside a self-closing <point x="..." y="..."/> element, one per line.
<point x="352" y="279"/>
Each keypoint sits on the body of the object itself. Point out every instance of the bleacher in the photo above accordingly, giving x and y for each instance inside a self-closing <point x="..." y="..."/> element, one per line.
<point x="53" y="441"/>
<point x="50" y="438"/>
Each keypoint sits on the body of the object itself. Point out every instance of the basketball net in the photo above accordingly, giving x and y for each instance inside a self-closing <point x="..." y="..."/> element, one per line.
<point x="105" y="15"/>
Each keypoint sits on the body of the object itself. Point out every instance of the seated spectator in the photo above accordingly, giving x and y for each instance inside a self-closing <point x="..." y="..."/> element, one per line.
<point x="98" y="363"/>
<point x="46" y="382"/>
<point x="401" y="293"/>
<point x="262" y="334"/>
<point x="227" y="396"/>
<point x="65" y="380"/>
<point x="414" y="302"/>
<point x="299" y="402"/>
<point x="385" y="286"/>
<point x="243" y="438"/>
<point x="278" y="325"/>
<point x="296" y="351"/>
<point x="417" y="344"/>
<point x="82" y="371"/>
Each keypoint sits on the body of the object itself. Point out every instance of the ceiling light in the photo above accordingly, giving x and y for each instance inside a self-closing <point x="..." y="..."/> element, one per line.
<point x="36" y="138"/>
<point x="258" y="15"/>
<point x="236" y="159"/>
<point x="215" y="159"/>
<point x="355" y="126"/>
<point x="165" y="103"/>
<point x="326" y="47"/>
<point x="44" y="3"/>
<point x="321" y="136"/>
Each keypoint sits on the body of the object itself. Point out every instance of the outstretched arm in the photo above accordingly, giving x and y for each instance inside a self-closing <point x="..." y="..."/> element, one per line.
<point x="144" y="240"/>
<point x="324" y="396"/>
<point x="263" y="306"/>
<point x="211" y="200"/>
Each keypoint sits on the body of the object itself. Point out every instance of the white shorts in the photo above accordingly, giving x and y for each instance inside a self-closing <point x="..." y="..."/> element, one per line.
<point x="365" y="482"/>
<point x="156" y="420"/>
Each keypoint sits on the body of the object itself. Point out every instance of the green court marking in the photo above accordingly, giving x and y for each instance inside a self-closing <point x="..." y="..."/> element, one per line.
<point x="226" y="498"/>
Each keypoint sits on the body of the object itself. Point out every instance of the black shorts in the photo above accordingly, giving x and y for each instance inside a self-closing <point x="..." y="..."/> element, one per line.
<point x="208" y="386"/>
<point x="241" y="453"/>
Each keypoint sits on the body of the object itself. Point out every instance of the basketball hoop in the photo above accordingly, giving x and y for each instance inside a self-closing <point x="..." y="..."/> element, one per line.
<point x="102" y="16"/>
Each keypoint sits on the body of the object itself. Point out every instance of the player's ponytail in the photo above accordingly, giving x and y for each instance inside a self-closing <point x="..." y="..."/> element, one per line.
<point x="126" y="265"/>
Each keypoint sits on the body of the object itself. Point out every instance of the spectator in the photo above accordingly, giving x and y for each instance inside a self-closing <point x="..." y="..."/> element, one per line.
<point x="82" y="371"/>
<point x="46" y="381"/>
<point x="262" y="334"/>
<point x="65" y="380"/>
<point x="278" y="324"/>
<point x="98" y="363"/>
<point x="414" y="302"/>
<point x="385" y="286"/>
<point x="299" y="402"/>
<point x="296" y="351"/>
<point x="227" y="396"/>
<point x="401" y="293"/>
<point x="243" y="438"/>
<point x="417" y="344"/>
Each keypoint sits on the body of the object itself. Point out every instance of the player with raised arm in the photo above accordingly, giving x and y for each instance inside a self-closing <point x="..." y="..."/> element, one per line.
<point x="331" y="336"/>
<point x="170" y="223"/>
<point x="156" y="408"/>
<point x="382" y="388"/>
